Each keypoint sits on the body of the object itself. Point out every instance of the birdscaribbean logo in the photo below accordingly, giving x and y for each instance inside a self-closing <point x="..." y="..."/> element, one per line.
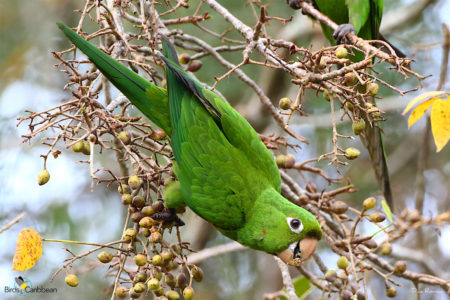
<point x="22" y="287"/>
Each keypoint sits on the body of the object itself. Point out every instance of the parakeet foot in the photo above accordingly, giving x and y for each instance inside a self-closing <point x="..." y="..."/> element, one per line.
<point x="342" y="30"/>
<point x="295" y="4"/>
<point x="168" y="216"/>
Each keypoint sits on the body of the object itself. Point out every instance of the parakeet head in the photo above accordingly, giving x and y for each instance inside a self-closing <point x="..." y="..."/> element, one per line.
<point x="282" y="228"/>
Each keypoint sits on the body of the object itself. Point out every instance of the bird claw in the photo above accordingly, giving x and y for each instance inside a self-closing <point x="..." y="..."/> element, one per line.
<point x="340" y="33"/>
<point x="295" y="4"/>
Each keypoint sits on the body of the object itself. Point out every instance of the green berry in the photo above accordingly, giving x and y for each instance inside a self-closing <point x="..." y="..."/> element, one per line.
<point x="351" y="153"/>
<point x="125" y="137"/>
<point x="134" y="182"/>
<point x="140" y="277"/>
<point x="339" y="207"/>
<point x="377" y="217"/>
<point x="197" y="274"/>
<point x="78" y="146"/>
<point x="169" y="279"/>
<point x="157" y="260"/>
<point x="400" y="267"/>
<point x="327" y="95"/>
<point x="86" y="148"/>
<point x="350" y="79"/>
<point x="138" y="201"/>
<point x="156" y="237"/>
<point x="386" y="248"/>
<point x="348" y="105"/>
<point x="372" y="88"/>
<point x="188" y="293"/>
<point x="341" y="52"/>
<point x="322" y="63"/>
<point x="153" y="284"/>
<point x="391" y="292"/>
<point x="140" y="260"/>
<point x="134" y="294"/>
<point x="280" y="160"/>
<point x="285" y="103"/>
<point x="105" y="257"/>
<point x="43" y="177"/>
<point x="121" y="291"/>
<point x="139" y="287"/>
<point x="71" y="280"/>
<point x="124" y="189"/>
<point x="166" y="255"/>
<point x="289" y="161"/>
<point x="369" y="203"/>
<point x="358" y="126"/>
<point x="342" y="262"/>
<point x="147" y="211"/>
<point x="126" y="199"/>
<point x="129" y="234"/>
<point x="172" y="295"/>
<point x="184" y="58"/>
<point x="330" y="275"/>
<point x="158" y="135"/>
<point x="146" y="222"/>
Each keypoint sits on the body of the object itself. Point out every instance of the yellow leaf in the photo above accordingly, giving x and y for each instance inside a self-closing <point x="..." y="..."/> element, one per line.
<point x="28" y="249"/>
<point x="418" y="112"/>
<point x="440" y="122"/>
<point x="422" y="97"/>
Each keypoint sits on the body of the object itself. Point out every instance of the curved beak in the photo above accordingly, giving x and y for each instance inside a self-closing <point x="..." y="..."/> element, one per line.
<point x="298" y="252"/>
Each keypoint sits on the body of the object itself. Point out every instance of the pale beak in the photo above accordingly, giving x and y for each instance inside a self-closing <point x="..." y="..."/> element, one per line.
<point x="299" y="251"/>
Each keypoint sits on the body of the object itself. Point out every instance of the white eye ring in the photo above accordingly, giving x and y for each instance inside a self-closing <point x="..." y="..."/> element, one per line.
<point x="295" y="224"/>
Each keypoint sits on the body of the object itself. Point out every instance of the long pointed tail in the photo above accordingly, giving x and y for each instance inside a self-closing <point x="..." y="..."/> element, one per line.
<point x="148" y="98"/>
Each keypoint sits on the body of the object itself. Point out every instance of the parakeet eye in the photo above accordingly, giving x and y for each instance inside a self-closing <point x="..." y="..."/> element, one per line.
<point x="295" y="224"/>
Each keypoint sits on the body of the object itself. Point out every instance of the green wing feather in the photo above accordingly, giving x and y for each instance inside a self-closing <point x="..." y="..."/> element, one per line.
<point x="150" y="99"/>
<point x="221" y="162"/>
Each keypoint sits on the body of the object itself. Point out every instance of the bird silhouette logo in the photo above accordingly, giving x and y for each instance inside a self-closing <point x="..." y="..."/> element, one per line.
<point x="20" y="282"/>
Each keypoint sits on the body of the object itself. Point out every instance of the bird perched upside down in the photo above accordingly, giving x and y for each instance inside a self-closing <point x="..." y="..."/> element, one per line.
<point x="226" y="174"/>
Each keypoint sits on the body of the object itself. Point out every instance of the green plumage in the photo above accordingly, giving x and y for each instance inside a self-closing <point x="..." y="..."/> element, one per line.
<point x="227" y="175"/>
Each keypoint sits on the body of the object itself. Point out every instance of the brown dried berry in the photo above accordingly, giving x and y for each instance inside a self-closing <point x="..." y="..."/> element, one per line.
<point x="377" y="217"/>
<point x="138" y="201"/>
<point x="339" y="207"/>
<point x="400" y="267"/>
<point x="194" y="66"/>
<point x="184" y="58"/>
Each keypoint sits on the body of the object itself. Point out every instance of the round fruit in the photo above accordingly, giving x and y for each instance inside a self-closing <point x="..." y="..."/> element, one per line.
<point x="372" y="88"/>
<point x="391" y="292"/>
<point x="157" y="260"/>
<point x="339" y="207"/>
<point x="172" y="295"/>
<point x="350" y="79"/>
<point x="400" y="267"/>
<point x="181" y="280"/>
<point x="139" y="287"/>
<point x="146" y="222"/>
<point x="342" y="262"/>
<point x="194" y="66"/>
<point x="159" y="135"/>
<point x="156" y="237"/>
<point x="140" y="260"/>
<point x="43" y="177"/>
<point x="188" y="293"/>
<point x="369" y="203"/>
<point x="153" y="284"/>
<point x="330" y="275"/>
<point x="352" y="153"/>
<point x="134" y="182"/>
<point x="285" y="103"/>
<point x="129" y="234"/>
<point x="341" y="52"/>
<point x="86" y="148"/>
<point x="327" y="95"/>
<point x="377" y="217"/>
<point x="71" y="280"/>
<point x="289" y="161"/>
<point x="170" y="280"/>
<point x="121" y="291"/>
<point x="125" y="137"/>
<point x="147" y="211"/>
<point x="386" y="248"/>
<point x="124" y="189"/>
<point x="358" y="126"/>
<point x="78" y="146"/>
<point x="126" y="199"/>
<point x="184" y="58"/>
<point x="197" y="273"/>
<point x="138" y="201"/>
<point x="105" y="257"/>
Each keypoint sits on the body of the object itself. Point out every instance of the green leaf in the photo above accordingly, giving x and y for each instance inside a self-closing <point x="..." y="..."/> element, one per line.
<point x="301" y="285"/>
<point x="387" y="210"/>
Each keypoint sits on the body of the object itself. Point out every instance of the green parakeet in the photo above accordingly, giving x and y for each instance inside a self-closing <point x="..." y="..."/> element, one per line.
<point x="227" y="176"/>
<point x="362" y="17"/>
